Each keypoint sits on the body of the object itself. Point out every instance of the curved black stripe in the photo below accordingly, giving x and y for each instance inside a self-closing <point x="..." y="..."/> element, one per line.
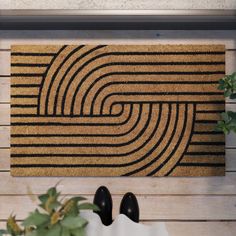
<point x="156" y="145"/>
<point x="114" y="54"/>
<point x="155" y="93"/>
<point x="116" y="115"/>
<point x="74" y="124"/>
<point x="131" y="53"/>
<point x="128" y="64"/>
<point x="114" y="155"/>
<point x="93" y="145"/>
<point x="189" y="140"/>
<point x="69" y="116"/>
<point x="56" y="73"/>
<point x="81" y="135"/>
<point x="176" y="145"/>
<point x="172" y="102"/>
<point x="132" y="82"/>
<point x="175" y="63"/>
<point x="42" y="83"/>
<point x="95" y="165"/>
<point x="70" y="81"/>
<point x="128" y="82"/>
<point x="106" y="155"/>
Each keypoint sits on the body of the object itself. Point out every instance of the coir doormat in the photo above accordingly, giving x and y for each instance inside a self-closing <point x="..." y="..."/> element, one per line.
<point x="116" y="110"/>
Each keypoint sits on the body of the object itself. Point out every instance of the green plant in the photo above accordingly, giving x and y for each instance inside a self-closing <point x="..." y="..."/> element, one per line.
<point x="55" y="218"/>
<point x="228" y="119"/>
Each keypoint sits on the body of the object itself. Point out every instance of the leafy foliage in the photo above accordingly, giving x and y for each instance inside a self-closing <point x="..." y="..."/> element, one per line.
<point x="228" y="85"/>
<point x="55" y="217"/>
<point x="228" y="119"/>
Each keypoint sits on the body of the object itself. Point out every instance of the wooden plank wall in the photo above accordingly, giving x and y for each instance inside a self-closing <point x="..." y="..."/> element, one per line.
<point x="188" y="206"/>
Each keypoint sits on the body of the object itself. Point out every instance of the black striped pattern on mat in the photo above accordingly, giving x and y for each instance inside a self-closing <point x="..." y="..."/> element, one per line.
<point x="116" y="110"/>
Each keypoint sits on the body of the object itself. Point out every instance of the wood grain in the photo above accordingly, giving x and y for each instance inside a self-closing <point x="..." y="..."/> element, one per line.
<point x="4" y="160"/>
<point x="201" y="228"/>
<point x="217" y="228"/>
<point x="4" y="62"/>
<point x="4" y="90"/>
<point x="4" y="136"/>
<point x="4" y="114"/>
<point x="230" y="159"/>
<point x="148" y="186"/>
<point x="152" y="207"/>
<point x="230" y="62"/>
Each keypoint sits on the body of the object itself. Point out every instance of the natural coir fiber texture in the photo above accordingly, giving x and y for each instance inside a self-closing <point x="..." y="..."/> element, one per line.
<point x="116" y="110"/>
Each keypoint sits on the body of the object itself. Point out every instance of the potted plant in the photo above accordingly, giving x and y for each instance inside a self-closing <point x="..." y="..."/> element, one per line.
<point x="228" y="121"/>
<point x="55" y="217"/>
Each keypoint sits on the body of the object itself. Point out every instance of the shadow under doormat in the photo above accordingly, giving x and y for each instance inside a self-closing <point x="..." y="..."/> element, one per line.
<point x="116" y="110"/>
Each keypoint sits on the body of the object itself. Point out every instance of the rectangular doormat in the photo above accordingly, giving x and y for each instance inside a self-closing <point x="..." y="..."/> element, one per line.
<point x="116" y="110"/>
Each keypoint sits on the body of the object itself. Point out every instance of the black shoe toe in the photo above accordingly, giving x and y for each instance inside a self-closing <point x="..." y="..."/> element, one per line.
<point x="103" y="200"/>
<point x="129" y="207"/>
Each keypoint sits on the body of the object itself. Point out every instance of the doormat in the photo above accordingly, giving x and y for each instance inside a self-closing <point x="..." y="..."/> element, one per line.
<point x="116" y="110"/>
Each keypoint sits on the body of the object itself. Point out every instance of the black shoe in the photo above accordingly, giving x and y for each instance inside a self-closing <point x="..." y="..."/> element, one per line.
<point x="103" y="200"/>
<point x="129" y="207"/>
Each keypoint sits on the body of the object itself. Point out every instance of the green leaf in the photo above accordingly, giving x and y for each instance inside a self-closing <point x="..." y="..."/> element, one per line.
<point x="221" y="82"/>
<point x="70" y="207"/>
<point x="50" y="200"/>
<point x="65" y="232"/>
<point x="54" y="231"/>
<point x="233" y="96"/>
<point x="55" y="205"/>
<point x="39" y="231"/>
<point x="88" y="206"/>
<point x="36" y="219"/>
<point x="73" y="222"/>
<point x="43" y="198"/>
<point x="78" y="232"/>
<point x="221" y="123"/>
<point x="12" y="226"/>
<point x="52" y="191"/>
<point x="233" y="76"/>
<point x="227" y="93"/>
<point x="221" y="87"/>
<point x="78" y="199"/>
<point x="225" y="130"/>
<point x="218" y="128"/>
<point x="225" y="116"/>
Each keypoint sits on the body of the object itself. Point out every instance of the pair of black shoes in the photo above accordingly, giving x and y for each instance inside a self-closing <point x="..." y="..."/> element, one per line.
<point x="129" y="206"/>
